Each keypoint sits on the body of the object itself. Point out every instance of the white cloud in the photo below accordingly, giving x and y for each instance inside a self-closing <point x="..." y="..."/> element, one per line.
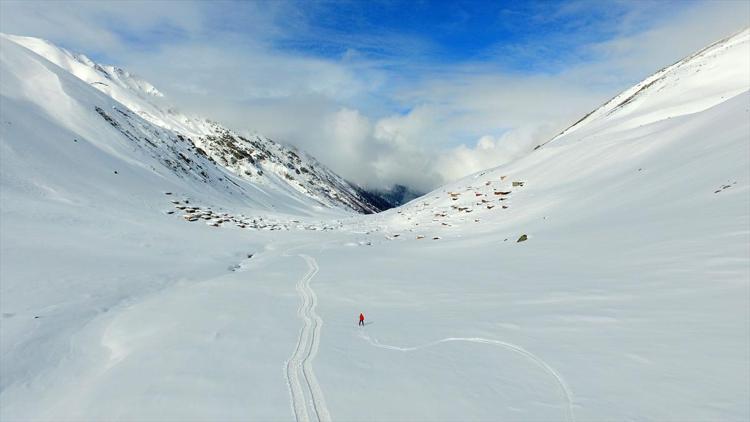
<point x="96" y="26"/>
<point x="348" y="133"/>
<point x="375" y="118"/>
<point x="490" y="151"/>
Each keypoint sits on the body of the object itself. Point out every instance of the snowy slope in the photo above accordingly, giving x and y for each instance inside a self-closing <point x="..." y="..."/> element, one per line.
<point x="88" y="194"/>
<point x="53" y="124"/>
<point x="695" y="83"/>
<point x="608" y="147"/>
<point x="259" y="159"/>
<point x="631" y="294"/>
<point x="46" y="109"/>
<point x="634" y="280"/>
<point x="629" y="300"/>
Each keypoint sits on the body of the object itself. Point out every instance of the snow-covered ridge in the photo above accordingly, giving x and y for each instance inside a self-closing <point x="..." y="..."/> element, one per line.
<point x="695" y="83"/>
<point x="620" y="133"/>
<point x="258" y="160"/>
<point x="84" y="68"/>
<point x="74" y="136"/>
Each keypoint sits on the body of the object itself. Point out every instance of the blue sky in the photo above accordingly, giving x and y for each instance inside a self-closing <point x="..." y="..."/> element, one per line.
<point x="459" y="31"/>
<point x="521" y="36"/>
<point x="413" y="92"/>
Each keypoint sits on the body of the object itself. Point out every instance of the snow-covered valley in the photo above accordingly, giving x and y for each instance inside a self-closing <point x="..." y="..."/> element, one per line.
<point x="604" y="276"/>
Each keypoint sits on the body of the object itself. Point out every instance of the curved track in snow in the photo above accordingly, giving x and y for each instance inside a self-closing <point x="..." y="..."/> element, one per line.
<point x="567" y="392"/>
<point x="306" y="394"/>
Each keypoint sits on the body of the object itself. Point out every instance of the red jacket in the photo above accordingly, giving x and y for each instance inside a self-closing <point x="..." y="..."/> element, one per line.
<point x="361" y="317"/>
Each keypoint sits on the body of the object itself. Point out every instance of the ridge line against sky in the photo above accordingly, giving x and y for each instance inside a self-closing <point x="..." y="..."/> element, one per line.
<point x="416" y="93"/>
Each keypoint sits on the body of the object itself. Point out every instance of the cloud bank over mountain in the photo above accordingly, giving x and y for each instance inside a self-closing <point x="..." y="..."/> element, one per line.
<point x="441" y="94"/>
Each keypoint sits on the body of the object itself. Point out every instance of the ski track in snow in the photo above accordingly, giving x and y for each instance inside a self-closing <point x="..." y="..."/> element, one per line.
<point x="567" y="392"/>
<point x="306" y="394"/>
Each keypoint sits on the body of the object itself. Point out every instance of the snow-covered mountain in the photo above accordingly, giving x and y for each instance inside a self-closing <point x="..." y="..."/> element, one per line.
<point x="695" y="83"/>
<point x="257" y="159"/>
<point x="658" y="119"/>
<point x="618" y="255"/>
<point x="604" y="276"/>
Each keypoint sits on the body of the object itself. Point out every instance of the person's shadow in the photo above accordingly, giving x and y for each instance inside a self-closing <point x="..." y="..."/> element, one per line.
<point x="369" y="322"/>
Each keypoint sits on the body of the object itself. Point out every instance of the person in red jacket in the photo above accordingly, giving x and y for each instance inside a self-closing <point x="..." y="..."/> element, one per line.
<point x="362" y="319"/>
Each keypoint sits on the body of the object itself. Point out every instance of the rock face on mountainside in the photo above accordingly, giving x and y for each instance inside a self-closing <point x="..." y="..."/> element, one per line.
<point x="256" y="159"/>
<point x="259" y="159"/>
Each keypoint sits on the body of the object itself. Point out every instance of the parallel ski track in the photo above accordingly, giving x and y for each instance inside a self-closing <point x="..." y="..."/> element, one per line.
<point x="567" y="392"/>
<point x="306" y="394"/>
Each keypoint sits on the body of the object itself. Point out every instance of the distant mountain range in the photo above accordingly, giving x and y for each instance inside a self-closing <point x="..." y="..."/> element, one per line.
<point x="390" y="198"/>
